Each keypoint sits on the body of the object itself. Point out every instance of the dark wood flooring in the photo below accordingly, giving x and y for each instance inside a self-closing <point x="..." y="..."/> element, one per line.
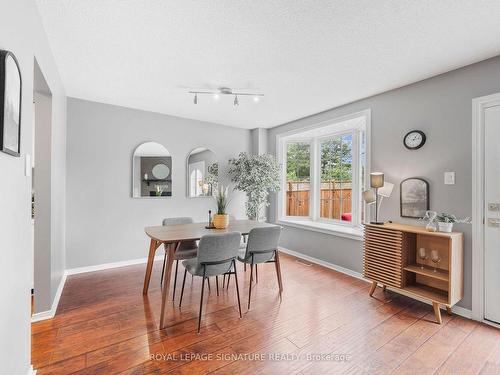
<point x="326" y="324"/>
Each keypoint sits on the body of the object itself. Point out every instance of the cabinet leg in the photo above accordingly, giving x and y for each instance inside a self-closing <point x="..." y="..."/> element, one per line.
<point x="448" y="310"/>
<point x="384" y="287"/>
<point x="372" y="289"/>
<point x="437" y="312"/>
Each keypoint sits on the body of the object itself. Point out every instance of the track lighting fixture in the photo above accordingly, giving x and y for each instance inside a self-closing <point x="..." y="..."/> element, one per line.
<point x="221" y="91"/>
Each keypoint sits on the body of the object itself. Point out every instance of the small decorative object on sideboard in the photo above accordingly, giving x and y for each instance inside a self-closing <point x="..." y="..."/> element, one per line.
<point x="446" y="221"/>
<point x="221" y="218"/>
<point x="10" y="104"/>
<point x="430" y="216"/>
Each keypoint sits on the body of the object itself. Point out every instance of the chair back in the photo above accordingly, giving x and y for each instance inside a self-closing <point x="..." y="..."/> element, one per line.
<point x="185" y="245"/>
<point x="217" y="251"/>
<point x="177" y="220"/>
<point x="262" y="242"/>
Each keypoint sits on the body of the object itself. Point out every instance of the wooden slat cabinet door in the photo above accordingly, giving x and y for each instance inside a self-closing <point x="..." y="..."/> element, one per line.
<point x="383" y="258"/>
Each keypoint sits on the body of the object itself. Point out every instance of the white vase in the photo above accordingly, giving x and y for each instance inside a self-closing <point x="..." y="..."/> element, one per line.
<point x="445" y="227"/>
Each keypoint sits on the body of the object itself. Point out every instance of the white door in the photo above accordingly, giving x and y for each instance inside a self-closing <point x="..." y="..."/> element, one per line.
<point x="492" y="214"/>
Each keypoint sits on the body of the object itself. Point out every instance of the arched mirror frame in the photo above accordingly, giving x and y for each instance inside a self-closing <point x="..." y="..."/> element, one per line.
<point x="137" y="174"/>
<point x="188" y="172"/>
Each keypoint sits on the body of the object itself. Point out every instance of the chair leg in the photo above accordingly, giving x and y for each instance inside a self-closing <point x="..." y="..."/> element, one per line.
<point x="208" y="282"/>
<point x="224" y="282"/>
<point x="278" y="271"/>
<point x="245" y="267"/>
<point x="201" y="300"/>
<point x="175" y="279"/>
<point x="237" y="288"/>
<point x="182" y="290"/>
<point x="256" y="273"/>
<point x="250" y="286"/>
<point x="217" y="284"/>
<point x="228" y="278"/>
<point x="163" y="268"/>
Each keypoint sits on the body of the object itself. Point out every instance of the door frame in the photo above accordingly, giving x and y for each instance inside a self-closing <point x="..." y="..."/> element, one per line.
<point x="478" y="215"/>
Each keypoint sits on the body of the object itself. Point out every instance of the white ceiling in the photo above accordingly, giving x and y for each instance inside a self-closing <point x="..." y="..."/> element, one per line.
<point x="305" y="55"/>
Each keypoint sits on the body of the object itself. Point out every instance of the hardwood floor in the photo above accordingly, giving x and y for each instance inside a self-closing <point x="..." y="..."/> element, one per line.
<point x="325" y="324"/>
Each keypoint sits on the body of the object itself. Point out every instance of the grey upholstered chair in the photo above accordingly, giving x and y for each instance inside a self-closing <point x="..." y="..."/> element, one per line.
<point x="262" y="247"/>
<point x="184" y="250"/>
<point x="216" y="256"/>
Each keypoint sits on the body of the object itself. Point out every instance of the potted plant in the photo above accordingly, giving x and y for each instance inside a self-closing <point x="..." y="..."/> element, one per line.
<point x="221" y="218"/>
<point x="445" y="222"/>
<point x="256" y="175"/>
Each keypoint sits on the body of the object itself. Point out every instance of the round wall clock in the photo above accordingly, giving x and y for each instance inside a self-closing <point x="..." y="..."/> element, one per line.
<point x="414" y="139"/>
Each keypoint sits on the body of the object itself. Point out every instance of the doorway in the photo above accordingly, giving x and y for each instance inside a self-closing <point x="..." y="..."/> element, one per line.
<point x="41" y="194"/>
<point x="486" y="209"/>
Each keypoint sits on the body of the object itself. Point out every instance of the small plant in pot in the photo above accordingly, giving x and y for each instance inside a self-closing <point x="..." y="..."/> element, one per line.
<point x="445" y="222"/>
<point x="221" y="218"/>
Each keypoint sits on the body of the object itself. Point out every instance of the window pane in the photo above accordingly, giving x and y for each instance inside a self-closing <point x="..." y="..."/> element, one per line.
<point x="336" y="178"/>
<point x="298" y="169"/>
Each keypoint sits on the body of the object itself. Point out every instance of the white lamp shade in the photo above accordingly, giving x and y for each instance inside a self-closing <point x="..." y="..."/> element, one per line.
<point x="386" y="190"/>
<point x="369" y="196"/>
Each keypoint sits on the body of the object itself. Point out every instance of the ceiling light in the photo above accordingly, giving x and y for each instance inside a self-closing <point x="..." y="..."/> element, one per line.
<point x="221" y="91"/>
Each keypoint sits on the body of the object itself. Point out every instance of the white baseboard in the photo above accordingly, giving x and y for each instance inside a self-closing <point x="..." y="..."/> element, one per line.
<point x="49" y="314"/>
<point x="52" y="312"/>
<point x="462" y="311"/>
<point x="466" y="313"/>
<point x="323" y="263"/>
<point x="106" y="266"/>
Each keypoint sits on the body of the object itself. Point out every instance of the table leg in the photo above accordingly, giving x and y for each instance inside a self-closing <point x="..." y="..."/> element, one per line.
<point x="166" y="282"/>
<point x="437" y="312"/>
<point x="151" y="257"/>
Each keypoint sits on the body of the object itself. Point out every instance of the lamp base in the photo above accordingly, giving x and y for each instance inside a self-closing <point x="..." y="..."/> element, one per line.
<point x="377" y="222"/>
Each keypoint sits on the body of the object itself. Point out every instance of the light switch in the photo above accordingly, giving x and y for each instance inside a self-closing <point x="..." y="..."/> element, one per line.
<point x="27" y="165"/>
<point x="449" y="178"/>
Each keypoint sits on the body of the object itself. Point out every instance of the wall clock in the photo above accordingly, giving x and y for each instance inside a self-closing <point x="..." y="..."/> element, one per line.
<point x="414" y="139"/>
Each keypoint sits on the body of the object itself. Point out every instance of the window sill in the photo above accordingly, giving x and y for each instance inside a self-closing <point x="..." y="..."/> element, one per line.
<point x="332" y="229"/>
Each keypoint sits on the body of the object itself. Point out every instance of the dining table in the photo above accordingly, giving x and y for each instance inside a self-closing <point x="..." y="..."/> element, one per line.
<point x="172" y="235"/>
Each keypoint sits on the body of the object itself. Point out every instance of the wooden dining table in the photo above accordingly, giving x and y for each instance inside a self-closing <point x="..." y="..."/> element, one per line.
<point x="172" y="235"/>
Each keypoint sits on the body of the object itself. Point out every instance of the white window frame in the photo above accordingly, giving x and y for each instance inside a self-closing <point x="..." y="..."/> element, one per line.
<point x="334" y="127"/>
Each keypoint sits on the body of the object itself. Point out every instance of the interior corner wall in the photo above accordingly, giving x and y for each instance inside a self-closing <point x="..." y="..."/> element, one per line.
<point x="104" y="223"/>
<point x="22" y="32"/>
<point x="441" y="107"/>
<point x="259" y="141"/>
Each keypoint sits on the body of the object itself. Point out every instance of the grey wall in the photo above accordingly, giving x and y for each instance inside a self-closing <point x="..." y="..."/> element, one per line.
<point x="21" y="32"/>
<point x="103" y="228"/>
<point x="441" y="107"/>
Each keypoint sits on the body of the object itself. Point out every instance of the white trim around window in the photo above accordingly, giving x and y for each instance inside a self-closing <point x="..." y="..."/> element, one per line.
<point x="313" y="135"/>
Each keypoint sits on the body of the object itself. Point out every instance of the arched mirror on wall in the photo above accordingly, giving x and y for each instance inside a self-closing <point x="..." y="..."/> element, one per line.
<point x="202" y="172"/>
<point x="151" y="171"/>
